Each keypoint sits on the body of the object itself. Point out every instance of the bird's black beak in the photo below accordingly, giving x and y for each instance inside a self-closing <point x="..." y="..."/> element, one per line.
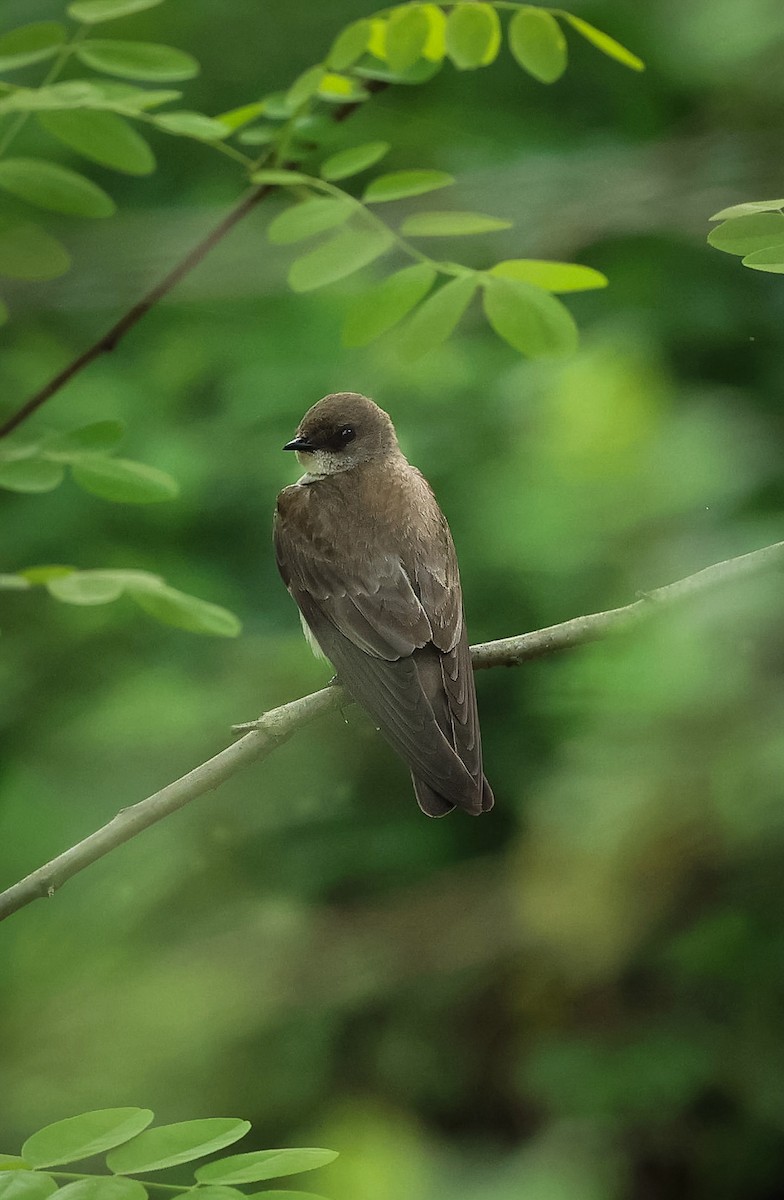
<point x="299" y="443"/>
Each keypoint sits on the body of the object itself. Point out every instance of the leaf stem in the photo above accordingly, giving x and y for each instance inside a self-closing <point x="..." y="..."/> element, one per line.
<point x="59" y="62"/>
<point x="148" y="1183"/>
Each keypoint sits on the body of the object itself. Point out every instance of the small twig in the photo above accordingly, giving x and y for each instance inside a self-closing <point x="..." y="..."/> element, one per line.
<point x="280" y="723"/>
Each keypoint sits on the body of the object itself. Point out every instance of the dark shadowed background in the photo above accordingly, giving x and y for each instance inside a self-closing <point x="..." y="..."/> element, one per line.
<point x="578" y="997"/>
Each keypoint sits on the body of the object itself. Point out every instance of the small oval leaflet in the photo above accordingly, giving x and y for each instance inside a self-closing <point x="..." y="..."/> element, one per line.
<point x="435" y="319"/>
<point x="537" y="42"/>
<point x="383" y="306"/>
<point x="103" y="137"/>
<point x="407" y="32"/>
<point x="552" y="276"/>
<point x="342" y="255"/>
<point x="349" y="45"/>
<point x="169" y="1145"/>
<point x="473" y="35"/>
<point x="93" y="11"/>
<point x="353" y="160"/>
<point x="30" y="475"/>
<point x="138" y="60"/>
<point x="29" y="252"/>
<point x="53" y="187"/>
<point x="176" y="608"/>
<point x="451" y="224"/>
<point x="82" y="1136"/>
<point x="101" y="1188"/>
<point x="397" y="185"/>
<point x="528" y="318"/>
<point x="30" y="44"/>
<point x="744" y="235"/>
<point x="123" y="481"/>
<point x="26" y="1185"/>
<point x="264" y="1164"/>
<point x="307" y="219"/>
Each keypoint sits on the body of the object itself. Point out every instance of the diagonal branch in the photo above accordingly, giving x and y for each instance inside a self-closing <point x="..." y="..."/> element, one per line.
<point x="276" y="726"/>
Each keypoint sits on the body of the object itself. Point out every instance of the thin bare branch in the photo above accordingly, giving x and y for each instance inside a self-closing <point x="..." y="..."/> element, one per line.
<point x="276" y="726"/>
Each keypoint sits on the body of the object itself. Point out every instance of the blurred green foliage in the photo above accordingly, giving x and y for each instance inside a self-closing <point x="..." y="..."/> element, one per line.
<point x="577" y="997"/>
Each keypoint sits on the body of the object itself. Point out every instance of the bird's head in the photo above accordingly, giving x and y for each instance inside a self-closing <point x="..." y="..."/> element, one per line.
<point x="340" y="432"/>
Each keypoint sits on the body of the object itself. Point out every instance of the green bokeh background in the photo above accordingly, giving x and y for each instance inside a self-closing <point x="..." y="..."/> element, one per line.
<point x="578" y="997"/>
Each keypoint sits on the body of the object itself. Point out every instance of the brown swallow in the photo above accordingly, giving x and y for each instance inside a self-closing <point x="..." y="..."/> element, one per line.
<point x="366" y="552"/>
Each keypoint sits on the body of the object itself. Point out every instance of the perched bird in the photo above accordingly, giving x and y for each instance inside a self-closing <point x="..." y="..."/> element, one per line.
<point x="367" y="555"/>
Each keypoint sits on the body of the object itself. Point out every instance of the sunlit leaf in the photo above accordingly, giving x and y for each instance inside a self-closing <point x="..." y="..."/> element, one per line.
<point x="552" y="276"/>
<point x="13" y="1162"/>
<point x="102" y="1188"/>
<point x="349" y="45"/>
<point x="528" y="318"/>
<point x="26" y="1185"/>
<point x="353" y="160"/>
<point x="747" y="209"/>
<point x="30" y="44"/>
<point x="305" y="86"/>
<point x="95" y="438"/>
<point x="605" y="43"/>
<point x="235" y="118"/>
<point x="399" y="184"/>
<point x="187" y="612"/>
<point x="473" y="35"/>
<point x="264" y="1164"/>
<point x="29" y="252"/>
<point x="123" y="481"/>
<point x="191" y="124"/>
<point x="85" y="588"/>
<point x="53" y="187"/>
<point x="342" y="255"/>
<point x="80" y="1137"/>
<point x="138" y="60"/>
<point x="421" y="71"/>
<point x="450" y="224"/>
<point x="537" y="42"/>
<point x="341" y="89"/>
<point x="307" y="219"/>
<point x="13" y="583"/>
<point x="42" y="574"/>
<point x="258" y="135"/>
<point x="277" y="106"/>
<point x="407" y="31"/>
<point x="435" y="319"/>
<point x="93" y="11"/>
<point x="744" y="235"/>
<point x="435" y="44"/>
<point x="770" y="259"/>
<point x="384" y="305"/>
<point x="103" y="137"/>
<point x="169" y="1145"/>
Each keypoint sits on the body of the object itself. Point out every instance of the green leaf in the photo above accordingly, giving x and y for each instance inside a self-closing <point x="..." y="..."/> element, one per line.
<point x="342" y="255"/>
<point x="529" y="319"/>
<point x="93" y="11"/>
<point x="26" y="1185"/>
<point x="278" y="175"/>
<point x="264" y="1164"/>
<point x="80" y="1137"/>
<point x="29" y="252"/>
<point x="96" y="438"/>
<point x="353" y="160"/>
<point x="103" y="137"/>
<point x="85" y="588"/>
<point x="277" y="106"/>
<point x="307" y="219"/>
<point x="138" y="60"/>
<point x="282" y="1194"/>
<point x="39" y="575"/>
<point x="341" y="89"/>
<point x="191" y="124"/>
<point x="171" y="607"/>
<point x="30" y="475"/>
<point x="13" y="1162"/>
<point x="770" y="259"/>
<point x="745" y="210"/>
<point x="381" y="307"/>
<point x="744" y="235"/>
<point x="436" y="318"/>
<point x="399" y="184"/>
<point x="169" y="1145"/>
<point x="450" y="224"/>
<point x="235" y="118"/>
<point x="30" y="44"/>
<point x="537" y="42"/>
<point x="102" y="1188"/>
<point x="305" y="86"/>
<point x="349" y="45"/>
<point x="552" y="276"/>
<point x="603" y="42"/>
<point x="123" y="481"/>
<point x="435" y="45"/>
<point x="53" y="187"/>
<point x="258" y="135"/>
<point x="473" y="35"/>
<point x="421" y="72"/>
<point x="407" y="31"/>
<point x="216" y="1192"/>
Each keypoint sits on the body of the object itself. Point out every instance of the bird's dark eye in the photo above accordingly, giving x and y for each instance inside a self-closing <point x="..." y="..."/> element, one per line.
<point x="346" y="434"/>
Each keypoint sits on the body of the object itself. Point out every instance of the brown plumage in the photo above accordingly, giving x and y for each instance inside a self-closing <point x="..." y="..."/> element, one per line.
<point x="367" y="555"/>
